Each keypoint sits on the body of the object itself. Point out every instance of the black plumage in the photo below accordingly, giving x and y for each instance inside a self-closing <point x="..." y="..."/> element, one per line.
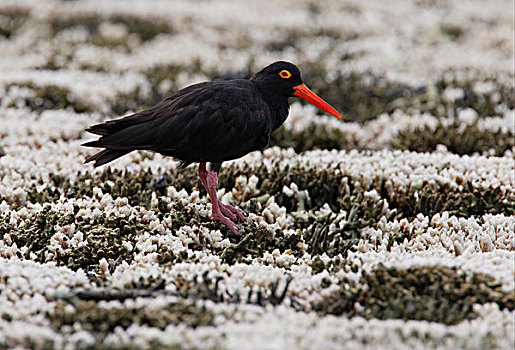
<point x="209" y="122"/>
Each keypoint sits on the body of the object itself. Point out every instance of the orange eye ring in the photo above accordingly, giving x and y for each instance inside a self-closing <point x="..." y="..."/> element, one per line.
<point x="284" y="74"/>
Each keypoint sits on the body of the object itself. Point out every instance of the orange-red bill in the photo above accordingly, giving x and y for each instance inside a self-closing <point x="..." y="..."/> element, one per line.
<point x="303" y="91"/>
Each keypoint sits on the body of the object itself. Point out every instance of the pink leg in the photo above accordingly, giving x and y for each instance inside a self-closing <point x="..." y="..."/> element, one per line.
<point x="225" y="209"/>
<point x="202" y="173"/>
<point x="212" y="182"/>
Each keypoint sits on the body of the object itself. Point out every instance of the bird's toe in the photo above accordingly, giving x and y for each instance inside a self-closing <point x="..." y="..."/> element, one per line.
<point x="231" y="211"/>
<point x="231" y="225"/>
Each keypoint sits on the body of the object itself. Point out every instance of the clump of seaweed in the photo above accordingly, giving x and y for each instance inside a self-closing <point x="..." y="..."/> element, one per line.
<point x="104" y="235"/>
<point x="146" y="29"/>
<point x="315" y="136"/>
<point x="199" y="287"/>
<point x="207" y="288"/>
<point x="334" y="234"/>
<point x="458" y="138"/>
<point x="361" y="97"/>
<point x="51" y="97"/>
<point x="436" y="294"/>
<point x="329" y="186"/>
<point x="98" y="319"/>
<point x="365" y="96"/>
<point x="467" y="202"/>
<point x="258" y="241"/>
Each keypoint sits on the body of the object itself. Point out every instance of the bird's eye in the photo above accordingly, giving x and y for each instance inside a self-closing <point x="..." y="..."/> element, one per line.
<point x="284" y="74"/>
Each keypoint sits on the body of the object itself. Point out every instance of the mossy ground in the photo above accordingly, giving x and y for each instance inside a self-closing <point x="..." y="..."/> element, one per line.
<point x="457" y="138"/>
<point x="50" y="97"/>
<point x="104" y="236"/>
<point x="435" y="294"/>
<point x="145" y="29"/>
<point x="318" y="241"/>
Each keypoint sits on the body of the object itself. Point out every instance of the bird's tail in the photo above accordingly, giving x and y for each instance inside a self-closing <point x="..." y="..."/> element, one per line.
<point x="105" y="156"/>
<point x="113" y="141"/>
<point x="121" y="136"/>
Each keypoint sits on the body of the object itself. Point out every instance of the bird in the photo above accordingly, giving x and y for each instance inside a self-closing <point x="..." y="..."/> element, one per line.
<point x="209" y="123"/>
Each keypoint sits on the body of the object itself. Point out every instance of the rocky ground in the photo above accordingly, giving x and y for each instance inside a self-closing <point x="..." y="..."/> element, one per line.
<point x="391" y="229"/>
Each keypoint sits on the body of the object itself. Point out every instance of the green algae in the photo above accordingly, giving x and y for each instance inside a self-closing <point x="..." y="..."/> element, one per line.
<point x="105" y="236"/>
<point x="97" y="319"/>
<point x="329" y="186"/>
<point x="458" y="138"/>
<point x="469" y="201"/>
<point x="101" y="321"/>
<point x="51" y="97"/>
<point x="365" y="96"/>
<point x="315" y="136"/>
<point x="257" y="241"/>
<point x="435" y="294"/>
<point x="146" y="29"/>
<point x="323" y="186"/>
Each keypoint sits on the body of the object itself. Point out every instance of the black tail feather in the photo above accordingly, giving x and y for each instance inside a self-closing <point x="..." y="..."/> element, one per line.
<point x="106" y="156"/>
<point x="99" y="129"/>
<point x="96" y="143"/>
<point x="107" y="129"/>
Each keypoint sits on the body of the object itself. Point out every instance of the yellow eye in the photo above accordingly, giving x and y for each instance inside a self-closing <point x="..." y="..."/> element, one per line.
<point x="284" y="74"/>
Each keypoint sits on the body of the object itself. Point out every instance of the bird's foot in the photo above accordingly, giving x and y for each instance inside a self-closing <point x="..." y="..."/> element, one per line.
<point x="228" y="222"/>
<point x="232" y="212"/>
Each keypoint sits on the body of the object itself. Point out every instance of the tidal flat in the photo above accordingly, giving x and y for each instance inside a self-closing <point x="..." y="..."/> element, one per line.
<point x="393" y="228"/>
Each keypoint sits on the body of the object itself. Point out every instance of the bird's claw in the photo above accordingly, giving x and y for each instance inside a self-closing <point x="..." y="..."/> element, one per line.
<point x="231" y="225"/>
<point x="232" y="212"/>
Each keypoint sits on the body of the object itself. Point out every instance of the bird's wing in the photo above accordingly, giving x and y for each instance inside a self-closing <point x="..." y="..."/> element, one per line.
<point x="204" y="122"/>
<point x="170" y="103"/>
<point x="226" y="122"/>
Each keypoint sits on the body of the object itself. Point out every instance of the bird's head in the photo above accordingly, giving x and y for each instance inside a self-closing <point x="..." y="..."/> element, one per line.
<point x="284" y="78"/>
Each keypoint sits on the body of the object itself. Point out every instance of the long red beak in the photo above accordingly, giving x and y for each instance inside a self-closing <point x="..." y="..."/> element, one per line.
<point x="304" y="92"/>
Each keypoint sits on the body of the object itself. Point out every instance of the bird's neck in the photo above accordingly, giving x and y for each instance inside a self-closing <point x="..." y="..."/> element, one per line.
<point x="278" y="104"/>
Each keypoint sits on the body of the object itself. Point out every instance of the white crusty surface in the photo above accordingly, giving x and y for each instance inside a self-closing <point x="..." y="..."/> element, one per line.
<point x="466" y="45"/>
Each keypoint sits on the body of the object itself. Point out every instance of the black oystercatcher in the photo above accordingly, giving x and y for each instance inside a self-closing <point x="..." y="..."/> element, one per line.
<point x="209" y="122"/>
